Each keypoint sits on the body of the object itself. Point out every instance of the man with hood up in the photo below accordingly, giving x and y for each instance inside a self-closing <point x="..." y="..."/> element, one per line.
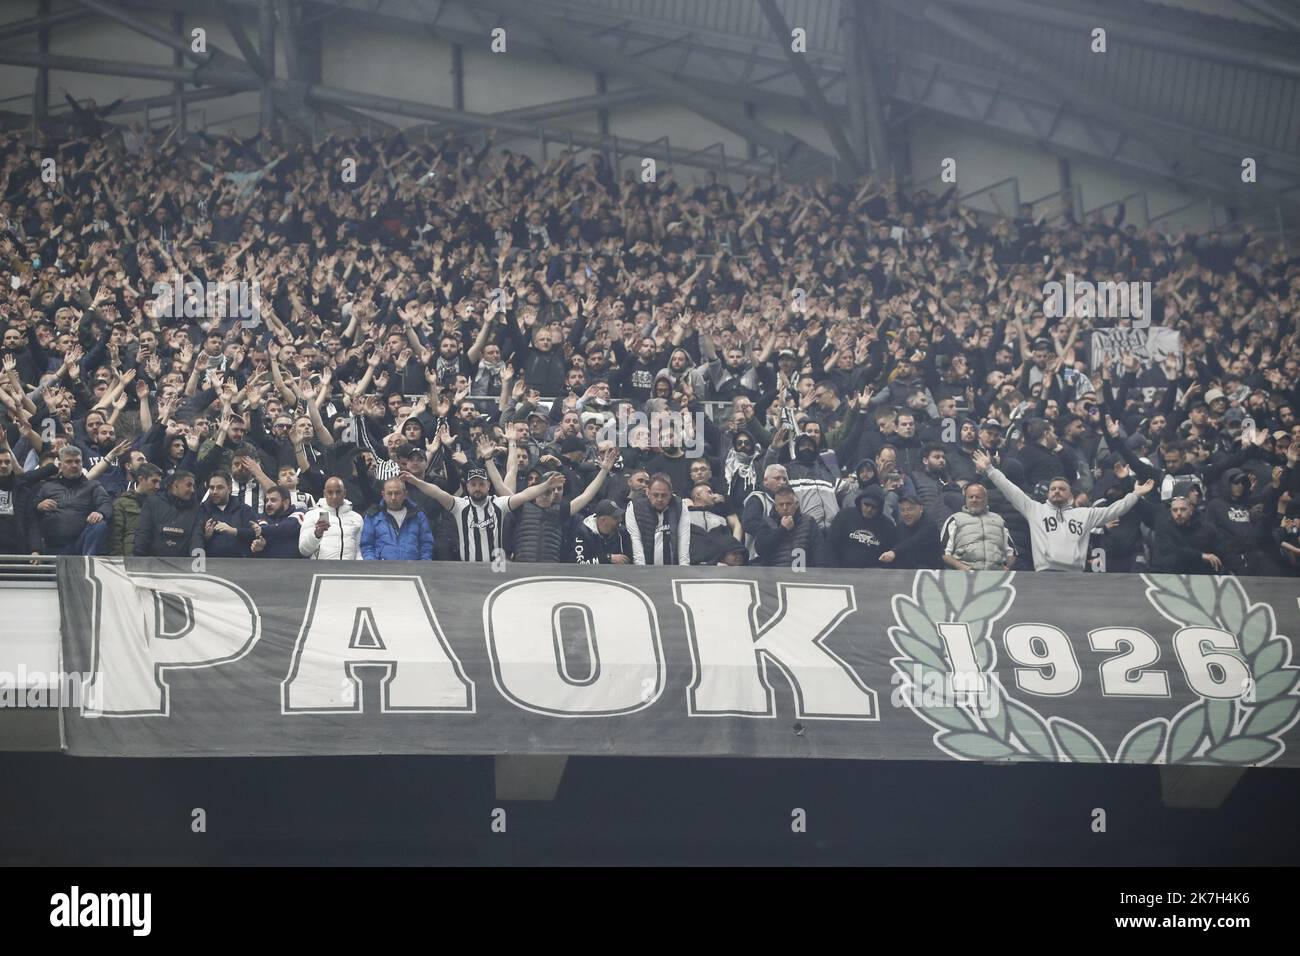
<point x="859" y="535"/>
<point x="809" y="476"/>
<point x="681" y="368"/>
<point x="1238" y="537"/>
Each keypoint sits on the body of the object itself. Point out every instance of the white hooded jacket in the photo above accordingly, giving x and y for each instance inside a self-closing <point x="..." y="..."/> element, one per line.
<point x="340" y="542"/>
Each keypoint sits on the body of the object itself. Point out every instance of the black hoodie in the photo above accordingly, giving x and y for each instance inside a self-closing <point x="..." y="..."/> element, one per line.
<point x="853" y="541"/>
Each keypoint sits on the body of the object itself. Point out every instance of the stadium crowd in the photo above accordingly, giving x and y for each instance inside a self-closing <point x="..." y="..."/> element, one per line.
<point x="457" y="353"/>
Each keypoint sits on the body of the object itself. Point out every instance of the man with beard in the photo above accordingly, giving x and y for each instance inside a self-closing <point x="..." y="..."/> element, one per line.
<point x="636" y="374"/>
<point x="1183" y="543"/>
<point x="1059" y="533"/>
<point x="478" y="515"/>
<point x="280" y="526"/>
<point x="171" y="523"/>
<point x="229" y="526"/>
<point x="660" y="525"/>
<point x="539" y="533"/>
<point x="861" y="534"/>
<point x="939" y="494"/>
<point x="738" y="471"/>
<point x="730" y="375"/>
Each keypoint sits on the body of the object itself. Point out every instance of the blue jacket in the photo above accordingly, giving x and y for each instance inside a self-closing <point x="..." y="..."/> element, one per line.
<point x="381" y="540"/>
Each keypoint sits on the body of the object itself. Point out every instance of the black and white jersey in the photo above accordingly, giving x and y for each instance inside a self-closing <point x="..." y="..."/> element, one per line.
<point x="478" y="526"/>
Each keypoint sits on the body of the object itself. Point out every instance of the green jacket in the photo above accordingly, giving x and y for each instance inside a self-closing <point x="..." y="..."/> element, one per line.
<point x="126" y="518"/>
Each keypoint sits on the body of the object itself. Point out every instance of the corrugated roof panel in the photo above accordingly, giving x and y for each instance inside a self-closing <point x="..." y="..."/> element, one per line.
<point x="1230" y="101"/>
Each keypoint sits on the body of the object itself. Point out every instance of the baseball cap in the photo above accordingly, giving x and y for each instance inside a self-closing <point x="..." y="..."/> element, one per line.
<point x="1042" y="342"/>
<point x="407" y="450"/>
<point x="607" y="509"/>
<point x="912" y="498"/>
<point x="476" y="472"/>
<point x="572" y="443"/>
<point x="872" y="493"/>
<point x="991" y="425"/>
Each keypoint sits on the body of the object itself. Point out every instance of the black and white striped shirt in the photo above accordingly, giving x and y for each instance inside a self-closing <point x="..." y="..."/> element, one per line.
<point x="478" y="526"/>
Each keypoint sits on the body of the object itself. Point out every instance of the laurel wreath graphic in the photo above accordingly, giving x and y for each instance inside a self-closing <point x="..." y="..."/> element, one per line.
<point x="1241" y="731"/>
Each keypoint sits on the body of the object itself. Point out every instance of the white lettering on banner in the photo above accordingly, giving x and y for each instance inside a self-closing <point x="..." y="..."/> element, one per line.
<point x="359" y="620"/>
<point x="527" y="621"/>
<point x="132" y="648"/>
<point x="1217" y="676"/>
<point x="1127" y="674"/>
<point x="1051" y="668"/>
<point x="731" y="652"/>
<point x="1149" y="346"/>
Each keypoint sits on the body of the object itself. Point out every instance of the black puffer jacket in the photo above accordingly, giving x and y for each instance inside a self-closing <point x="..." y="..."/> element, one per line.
<point x="169" y="527"/>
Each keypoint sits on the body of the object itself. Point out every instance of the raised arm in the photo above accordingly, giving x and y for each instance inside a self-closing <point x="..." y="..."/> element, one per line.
<point x="606" y="463"/>
<point x="1099" y="517"/>
<point x="1019" y="500"/>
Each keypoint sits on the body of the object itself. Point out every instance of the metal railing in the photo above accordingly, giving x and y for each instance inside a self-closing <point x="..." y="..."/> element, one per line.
<point x="1136" y="211"/>
<point x="1072" y="193"/>
<point x="25" y="569"/>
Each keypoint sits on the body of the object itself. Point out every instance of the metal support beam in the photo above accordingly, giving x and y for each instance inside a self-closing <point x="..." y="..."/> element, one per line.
<point x="812" y="89"/>
<point x="18" y="28"/>
<point x="1163" y="36"/>
<point x="289" y="31"/>
<point x="179" y="117"/>
<point x="1279" y="13"/>
<point x="215" y="57"/>
<point x="866" y="113"/>
<point x="458" y="76"/>
<point x="265" y="54"/>
<point x="602" y="114"/>
<point x="249" y="52"/>
<point x="960" y="27"/>
<point x="41" y="95"/>
<point x="582" y="49"/>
